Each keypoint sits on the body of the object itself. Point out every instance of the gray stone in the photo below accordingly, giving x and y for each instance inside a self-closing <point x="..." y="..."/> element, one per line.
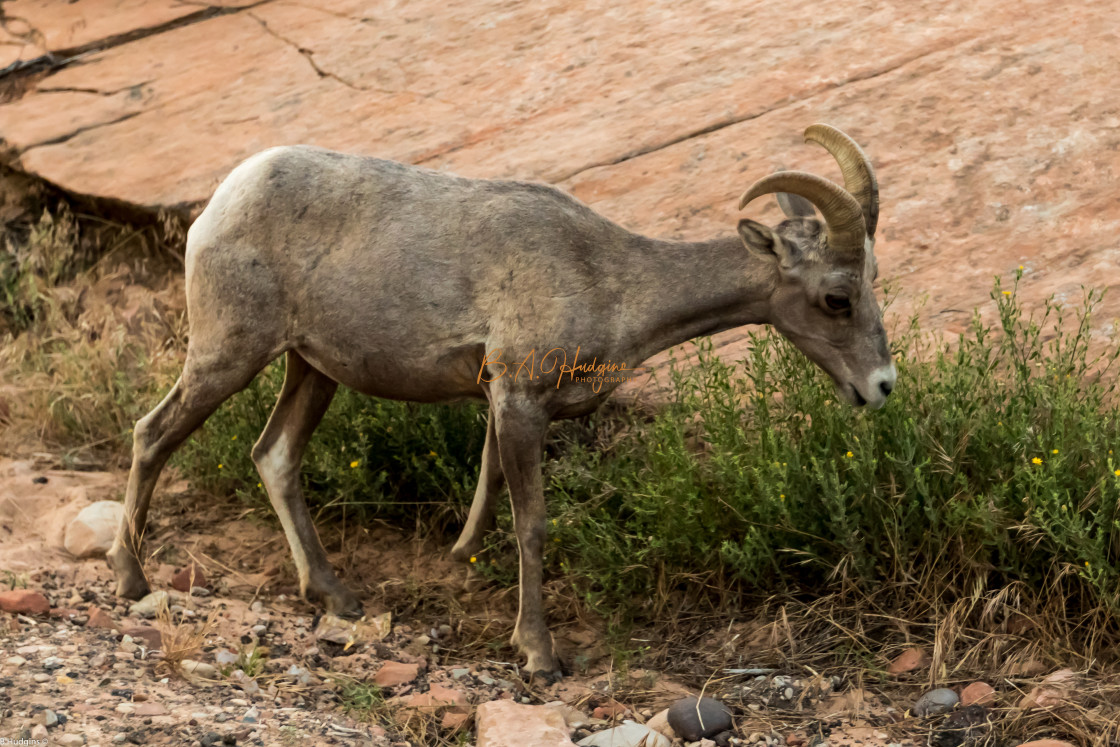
<point x="941" y="700"/>
<point x="149" y="605"/>
<point x="694" y="720"/>
<point x="629" y="734"/>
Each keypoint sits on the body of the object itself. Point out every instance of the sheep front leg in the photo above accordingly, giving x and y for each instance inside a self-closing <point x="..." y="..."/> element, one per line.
<point x="521" y="428"/>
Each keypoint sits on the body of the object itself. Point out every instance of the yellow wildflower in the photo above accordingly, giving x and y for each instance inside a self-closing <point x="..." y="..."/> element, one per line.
<point x="219" y="466"/>
<point x="474" y="559"/>
<point x="1036" y="460"/>
<point x="233" y="438"/>
<point x="1007" y="293"/>
<point x="1117" y="473"/>
<point x="1055" y="451"/>
<point x="432" y="454"/>
<point x="850" y="455"/>
<point x="354" y="464"/>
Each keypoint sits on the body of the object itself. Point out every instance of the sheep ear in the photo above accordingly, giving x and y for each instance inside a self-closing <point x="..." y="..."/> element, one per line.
<point x="764" y="240"/>
<point x="795" y="206"/>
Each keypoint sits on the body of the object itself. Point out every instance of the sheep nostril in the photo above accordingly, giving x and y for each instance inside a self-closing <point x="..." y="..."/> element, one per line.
<point x="886" y="388"/>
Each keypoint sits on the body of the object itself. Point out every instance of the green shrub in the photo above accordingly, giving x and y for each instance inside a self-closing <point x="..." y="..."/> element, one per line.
<point x="991" y="461"/>
<point x="371" y="456"/>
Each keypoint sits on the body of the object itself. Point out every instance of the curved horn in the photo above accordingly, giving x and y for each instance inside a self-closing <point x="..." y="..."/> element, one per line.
<point x="859" y="176"/>
<point x="842" y="213"/>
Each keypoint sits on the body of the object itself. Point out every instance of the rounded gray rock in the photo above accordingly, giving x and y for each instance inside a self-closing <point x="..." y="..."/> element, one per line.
<point x="941" y="700"/>
<point x="694" y="720"/>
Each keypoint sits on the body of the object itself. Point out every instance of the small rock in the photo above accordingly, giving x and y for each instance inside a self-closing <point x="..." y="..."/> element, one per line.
<point x="187" y="578"/>
<point x="629" y="734"/>
<point x="437" y="696"/>
<point x="149" y="636"/>
<point x="573" y="717"/>
<point x="99" y="618"/>
<point x="1055" y="691"/>
<point x="92" y="531"/>
<point x="15" y="661"/>
<point x="935" y="702"/>
<point x="394" y="673"/>
<point x="24" y="602"/>
<point x="502" y="723"/>
<point x="48" y="718"/>
<point x="1046" y="743"/>
<point x="198" y="669"/>
<point x="225" y="657"/>
<point x="252" y="716"/>
<point x="149" y="605"/>
<point x="453" y="721"/>
<point x="909" y="660"/>
<point x="694" y="719"/>
<point x="120" y="738"/>
<point x="39" y="733"/>
<point x="978" y="693"/>
<point x="148" y="708"/>
<point x="659" y="722"/>
<point x="70" y="740"/>
<point x="609" y="710"/>
<point x="52" y="663"/>
<point x="460" y="673"/>
<point x="40" y="677"/>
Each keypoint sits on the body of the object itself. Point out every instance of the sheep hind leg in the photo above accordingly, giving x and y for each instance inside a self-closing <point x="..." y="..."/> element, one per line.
<point x="303" y="401"/>
<point x="490" y="481"/>
<point x="201" y="388"/>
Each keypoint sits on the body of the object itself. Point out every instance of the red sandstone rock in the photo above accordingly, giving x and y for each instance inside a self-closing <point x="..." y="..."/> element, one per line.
<point x="1055" y="691"/>
<point x="393" y="673"/>
<point x="187" y="578"/>
<point x="437" y="696"/>
<point x="991" y="124"/>
<point x="909" y="660"/>
<point x="99" y="618"/>
<point x="146" y="635"/>
<point x="454" y="721"/>
<point x="24" y="602"/>
<point x="978" y="693"/>
<point x="610" y="709"/>
<point x="150" y="709"/>
<point x="502" y="723"/>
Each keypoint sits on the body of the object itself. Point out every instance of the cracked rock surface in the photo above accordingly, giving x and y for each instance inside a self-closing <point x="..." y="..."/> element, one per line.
<point x="991" y="123"/>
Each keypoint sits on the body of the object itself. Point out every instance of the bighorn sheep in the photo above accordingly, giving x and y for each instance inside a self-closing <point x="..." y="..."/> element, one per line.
<point x="402" y="282"/>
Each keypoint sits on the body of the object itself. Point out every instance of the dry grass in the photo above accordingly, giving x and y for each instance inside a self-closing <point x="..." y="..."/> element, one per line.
<point x="182" y="637"/>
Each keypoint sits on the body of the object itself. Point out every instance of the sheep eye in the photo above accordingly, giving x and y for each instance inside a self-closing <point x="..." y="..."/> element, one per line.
<point x="837" y="302"/>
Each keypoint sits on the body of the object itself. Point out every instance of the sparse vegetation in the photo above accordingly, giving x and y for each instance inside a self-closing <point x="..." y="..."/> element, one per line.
<point x="985" y="491"/>
<point x="363" y="700"/>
